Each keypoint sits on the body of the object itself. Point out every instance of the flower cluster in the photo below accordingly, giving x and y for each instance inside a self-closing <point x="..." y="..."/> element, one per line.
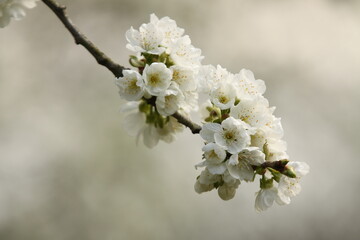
<point x="14" y="9"/>
<point x="165" y="80"/>
<point x="243" y="139"/>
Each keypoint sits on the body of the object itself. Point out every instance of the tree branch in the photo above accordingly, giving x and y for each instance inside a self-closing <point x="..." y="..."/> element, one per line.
<point x="101" y="58"/>
<point x="195" y="128"/>
<point x="81" y="39"/>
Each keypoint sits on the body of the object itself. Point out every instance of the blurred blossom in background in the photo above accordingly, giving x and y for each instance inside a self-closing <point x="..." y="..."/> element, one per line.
<point x="69" y="171"/>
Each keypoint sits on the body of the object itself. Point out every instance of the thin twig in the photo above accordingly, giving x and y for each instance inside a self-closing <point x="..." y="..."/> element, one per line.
<point x="101" y="57"/>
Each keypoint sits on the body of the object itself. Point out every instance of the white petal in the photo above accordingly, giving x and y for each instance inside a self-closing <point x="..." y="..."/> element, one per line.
<point x="131" y="85"/>
<point x="170" y="101"/>
<point x="150" y="136"/>
<point x="216" y="168"/>
<point x="208" y="130"/>
<point x="201" y="164"/>
<point x="226" y="192"/>
<point x="157" y="78"/>
<point x="200" y="188"/>
<point x="134" y="122"/>
<point x="265" y="199"/>
<point x="224" y="96"/>
<point x="214" y="153"/>
<point x="301" y="168"/>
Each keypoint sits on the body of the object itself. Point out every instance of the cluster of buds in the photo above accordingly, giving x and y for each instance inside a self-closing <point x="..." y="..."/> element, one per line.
<point x="165" y="80"/>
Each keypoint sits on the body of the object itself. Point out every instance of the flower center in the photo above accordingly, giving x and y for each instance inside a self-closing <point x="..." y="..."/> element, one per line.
<point x="132" y="85"/>
<point x="154" y="79"/>
<point x="229" y="135"/>
<point x="212" y="154"/>
<point x="223" y="99"/>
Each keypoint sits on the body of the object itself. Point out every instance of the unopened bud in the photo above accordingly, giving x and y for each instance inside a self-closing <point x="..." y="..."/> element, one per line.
<point x="289" y="172"/>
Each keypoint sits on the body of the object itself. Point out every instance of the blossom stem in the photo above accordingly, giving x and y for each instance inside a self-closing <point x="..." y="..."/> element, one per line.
<point x="102" y="58"/>
<point x="195" y="128"/>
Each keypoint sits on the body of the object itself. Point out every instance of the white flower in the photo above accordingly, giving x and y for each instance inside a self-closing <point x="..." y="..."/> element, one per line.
<point x="205" y="181"/>
<point x="258" y="139"/>
<point x="226" y="192"/>
<point x="131" y="85"/>
<point x="276" y="149"/>
<point x="168" y="27"/>
<point x="246" y="84"/>
<point x="14" y="9"/>
<point x="134" y="122"/>
<point x="147" y="39"/>
<point x="208" y="130"/>
<point x="168" y="102"/>
<point x="150" y="135"/>
<point x="191" y="101"/>
<point x="228" y="189"/>
<point x="223" y="96"/>
<point x="183" y="53"/>
<point x="273" y="128"/>
<point x="265" y="198"/>
<point x="184" y="77"/>
<point x="200" y="188"/>
<point x="214" y="155"/>
<point x="254" y="111"/>
<point x="211" y="77"/>
<point x="240" y="165"/>
<point x="233" y="135"/>
<point x="157" y="78"/>
<point x="171" y="127"/>
<point x="290" y="187"/>
<point x="204" y="112"/>
<point x="208" y="178"/>
<point x="300" y="168"/>
<point x="135" y="125"/>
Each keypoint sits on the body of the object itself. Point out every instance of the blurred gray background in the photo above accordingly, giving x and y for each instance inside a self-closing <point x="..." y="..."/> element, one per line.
<point x="69" y="171"/>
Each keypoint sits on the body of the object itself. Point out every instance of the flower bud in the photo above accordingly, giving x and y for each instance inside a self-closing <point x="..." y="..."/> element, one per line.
<point x="289" y="172"/>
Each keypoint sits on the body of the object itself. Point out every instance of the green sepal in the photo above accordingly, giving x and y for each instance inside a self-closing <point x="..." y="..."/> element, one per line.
<point x="276" y="174"/>
<point x="259" y="170"/>
<point x="169" y="62"/>
<point x="284" y="162"/>
<point x="208" y="119"/>
<point x="218" y="184"/>
<point x="266" y="151"/>
<point x="135" y="62"/>
<point x="266" y="183"/>
<point x="289" y="172"/>
<point x="217" y="121"/>
<point x="150" y="58"/>
<point x="209" y="109"/>
<point x="144" y="107"/>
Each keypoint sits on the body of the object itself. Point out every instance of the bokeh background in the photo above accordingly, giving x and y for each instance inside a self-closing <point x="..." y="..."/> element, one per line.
<point x="69" y="171"/>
